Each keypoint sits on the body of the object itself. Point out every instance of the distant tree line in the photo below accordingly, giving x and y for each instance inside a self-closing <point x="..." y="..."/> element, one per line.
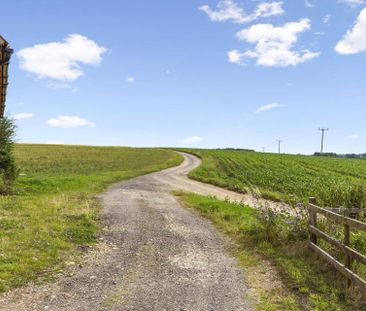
<point x="236" y="149"/>
<point x="335" y="155"/>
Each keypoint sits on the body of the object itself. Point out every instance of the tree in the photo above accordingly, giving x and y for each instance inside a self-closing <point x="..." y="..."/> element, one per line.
<point x="8" y="169"/>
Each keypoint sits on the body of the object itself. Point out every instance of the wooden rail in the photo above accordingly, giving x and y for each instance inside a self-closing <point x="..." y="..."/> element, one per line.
<point x="5" y="53"/>
<point x="343" y="246"/>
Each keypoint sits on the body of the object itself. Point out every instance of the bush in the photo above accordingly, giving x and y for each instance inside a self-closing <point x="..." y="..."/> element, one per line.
<point x="8" y="169"/>
<point x="283" y="227"/>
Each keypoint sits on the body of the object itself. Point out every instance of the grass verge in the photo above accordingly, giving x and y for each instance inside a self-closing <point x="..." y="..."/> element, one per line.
<point x="305" y="282"/>
<point x="53" y="211"/>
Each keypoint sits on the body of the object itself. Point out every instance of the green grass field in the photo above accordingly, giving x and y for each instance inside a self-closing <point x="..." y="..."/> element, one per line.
<point x="294" y="178"/>
<point x="53" y="209"/>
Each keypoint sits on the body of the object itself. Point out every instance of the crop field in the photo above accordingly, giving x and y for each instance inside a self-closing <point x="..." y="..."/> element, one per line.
<point x="293" y="178"/>
<point x="53" y="211"/>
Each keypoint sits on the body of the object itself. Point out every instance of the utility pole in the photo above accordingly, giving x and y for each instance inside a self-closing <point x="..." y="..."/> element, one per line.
<point x="322" y="129"/>
<point x="279" y="145"/>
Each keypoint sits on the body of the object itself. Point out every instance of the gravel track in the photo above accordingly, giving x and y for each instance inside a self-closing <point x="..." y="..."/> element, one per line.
<point x="153" y="254"/>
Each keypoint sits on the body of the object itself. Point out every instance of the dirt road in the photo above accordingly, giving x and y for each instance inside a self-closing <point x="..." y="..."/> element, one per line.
<point x="153" y="254"/>
<point x="176" y="178"/>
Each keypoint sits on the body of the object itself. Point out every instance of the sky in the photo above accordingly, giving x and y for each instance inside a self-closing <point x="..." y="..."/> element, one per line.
<point x="203" y="73"/>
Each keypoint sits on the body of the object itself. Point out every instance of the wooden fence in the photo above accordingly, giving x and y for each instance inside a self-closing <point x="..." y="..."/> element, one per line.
<point x="341" y="216"/>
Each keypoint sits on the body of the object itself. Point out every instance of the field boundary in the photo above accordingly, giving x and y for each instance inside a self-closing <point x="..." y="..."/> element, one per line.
<point x="343" y="246"/>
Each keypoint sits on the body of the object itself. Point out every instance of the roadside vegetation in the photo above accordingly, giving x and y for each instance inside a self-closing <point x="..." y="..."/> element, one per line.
<point x="262" y="235"/>
<point x="293" y="178"/>
<point x="52" y="213"/>
<point x="283" y="238"/>
<point x="8" y="169"/>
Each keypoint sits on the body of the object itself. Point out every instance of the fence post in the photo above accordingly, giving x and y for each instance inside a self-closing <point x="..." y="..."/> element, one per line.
<point x="312" y="221"/>
<point x="348" y="261"/>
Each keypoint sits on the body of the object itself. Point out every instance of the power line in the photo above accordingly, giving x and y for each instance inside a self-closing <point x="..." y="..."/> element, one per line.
<point x="279" y="145"/>
<point x="322" y="129"/>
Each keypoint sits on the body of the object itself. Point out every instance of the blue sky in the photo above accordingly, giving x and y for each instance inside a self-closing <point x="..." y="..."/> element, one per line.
<point x="189" y="73"/>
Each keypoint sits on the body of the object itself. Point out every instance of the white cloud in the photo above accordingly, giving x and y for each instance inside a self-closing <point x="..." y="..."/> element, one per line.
<point x="309" y="4"/>
<point x="327" y="18"/>
<point x="23" y="116"/>
<point x="268" y="107"/>
<point x="354" y="136"/>
<point x="61" y="60"/>
<point x="130" y="79"/>
<point x="352" y="3"/>
<point x="229" y="10"/>
<point x="57" y="85"/>
<point x="69" y="122"/>
<point x="236" y="57"/>
<point x="192" y="140"/>
<point x="354" y="41"/>
<point x="273" y="45"/>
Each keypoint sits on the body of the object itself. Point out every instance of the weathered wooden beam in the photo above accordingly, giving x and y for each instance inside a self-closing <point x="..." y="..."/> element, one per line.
<point x="312" y="221"/>
<point x="346" y="249"/>
<point x="338" y="266"/>
<point x="2" y="88"/>
<point x="345" y="210"/>
<point x="338" y="218"/>
<point x="5" y="53"/>
<point x="348" y="260"/>
<point x="3" y="42"/>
